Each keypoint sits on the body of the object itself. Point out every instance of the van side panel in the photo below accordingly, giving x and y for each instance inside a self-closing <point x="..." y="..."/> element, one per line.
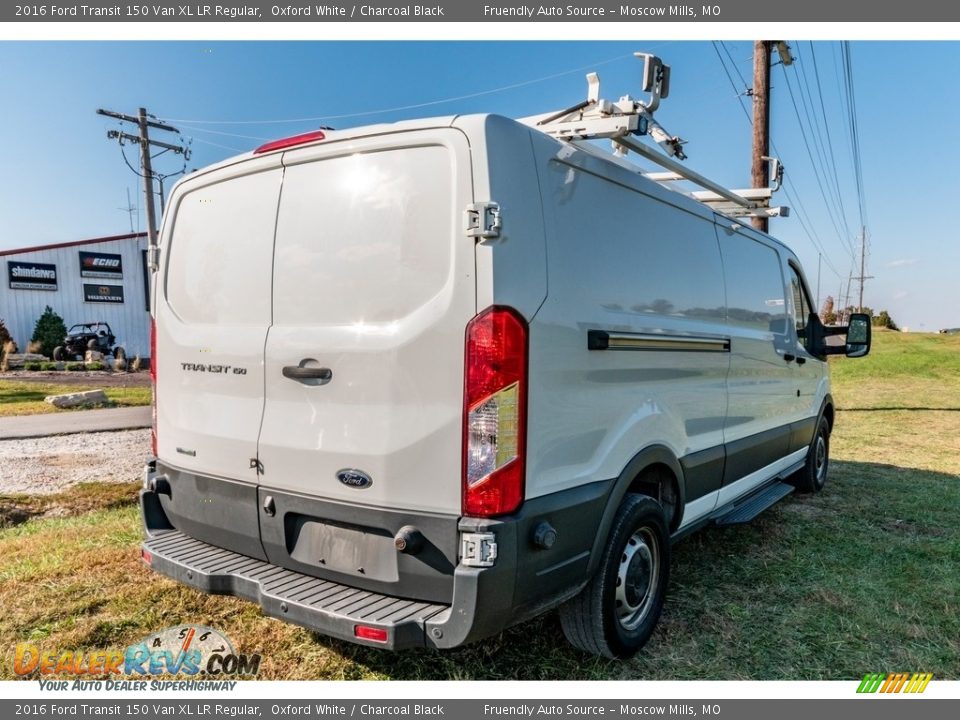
<point x="636" y="269"/>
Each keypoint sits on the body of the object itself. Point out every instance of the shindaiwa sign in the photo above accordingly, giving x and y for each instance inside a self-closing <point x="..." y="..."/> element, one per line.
<point x="32" y="276"/>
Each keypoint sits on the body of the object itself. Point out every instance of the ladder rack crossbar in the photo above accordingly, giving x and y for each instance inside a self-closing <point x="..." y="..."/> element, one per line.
<point x="686" y="173"/>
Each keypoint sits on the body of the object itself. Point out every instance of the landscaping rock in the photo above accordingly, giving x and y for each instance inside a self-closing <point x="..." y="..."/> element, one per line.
<point x="16" y="360"/>
<point x="93" y="356"/>
<point x="90" y="397"/>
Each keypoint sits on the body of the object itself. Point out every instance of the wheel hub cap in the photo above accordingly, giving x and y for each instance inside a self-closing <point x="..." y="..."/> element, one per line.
<point x="637" y="578"/>
<point x="821" y="457"/>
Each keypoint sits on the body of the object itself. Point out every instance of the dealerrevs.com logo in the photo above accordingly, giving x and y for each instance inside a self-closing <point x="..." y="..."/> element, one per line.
<point x="194" y="651"/>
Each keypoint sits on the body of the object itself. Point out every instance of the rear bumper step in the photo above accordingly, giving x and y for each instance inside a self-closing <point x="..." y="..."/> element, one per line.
<point x="328" y="607"/>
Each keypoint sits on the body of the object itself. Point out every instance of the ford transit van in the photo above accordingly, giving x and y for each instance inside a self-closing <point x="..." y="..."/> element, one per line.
<point x="416" y="383"/>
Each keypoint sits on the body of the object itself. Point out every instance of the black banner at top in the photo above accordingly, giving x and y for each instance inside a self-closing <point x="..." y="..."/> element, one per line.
<point x="484" y="11"/>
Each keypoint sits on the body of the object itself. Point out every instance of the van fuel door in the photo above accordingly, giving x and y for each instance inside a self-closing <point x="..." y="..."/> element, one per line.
<point x="483" y="220"/>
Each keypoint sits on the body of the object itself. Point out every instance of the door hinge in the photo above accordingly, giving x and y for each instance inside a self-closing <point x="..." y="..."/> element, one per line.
<point x="483" y="220"/>
<point x="153" y="258"/>
<point x="478" y="549"/>
<point x="255" y="464"/>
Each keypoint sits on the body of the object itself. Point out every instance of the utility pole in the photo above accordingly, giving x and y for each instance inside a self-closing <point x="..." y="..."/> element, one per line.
<point x="760" y="162"/>
<point x="147" y="176"/>
<point x="846" y="300"/>
<point x="819" y="261"/>
<point x="759" y="169"/>
<point x="863" y="255"/>
<point x="142" y="139"/>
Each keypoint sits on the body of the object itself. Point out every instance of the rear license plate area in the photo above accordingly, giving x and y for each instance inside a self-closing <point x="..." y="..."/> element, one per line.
<point x="362" y="552"/>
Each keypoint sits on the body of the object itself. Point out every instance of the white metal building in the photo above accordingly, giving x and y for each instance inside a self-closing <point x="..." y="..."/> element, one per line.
<point x="102" y="279"/>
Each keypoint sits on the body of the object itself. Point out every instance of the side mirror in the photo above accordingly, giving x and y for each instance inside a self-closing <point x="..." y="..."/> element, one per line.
<point x="858" y="335"/>
<point x="857" y="341"/>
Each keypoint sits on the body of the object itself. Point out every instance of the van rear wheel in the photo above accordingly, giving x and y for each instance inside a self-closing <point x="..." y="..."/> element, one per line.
<point x="615" y="614"/>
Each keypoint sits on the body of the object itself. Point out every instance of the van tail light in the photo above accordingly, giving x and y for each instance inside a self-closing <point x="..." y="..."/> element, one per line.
<point x="494" y="413"/>
<point x="153" y="383"/>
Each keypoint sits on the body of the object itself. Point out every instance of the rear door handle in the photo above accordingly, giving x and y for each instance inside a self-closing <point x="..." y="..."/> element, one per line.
<point x="298" y="372"/>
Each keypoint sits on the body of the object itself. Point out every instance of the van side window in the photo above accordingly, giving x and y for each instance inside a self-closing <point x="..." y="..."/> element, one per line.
<point x="800" y="302"/>
<point x="755" y="290"/>
<point x="668" y="270"/>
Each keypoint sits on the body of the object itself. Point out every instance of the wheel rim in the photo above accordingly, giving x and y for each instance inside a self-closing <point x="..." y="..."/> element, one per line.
<point x="820" y="459"/>
<point x="637" y="578"/>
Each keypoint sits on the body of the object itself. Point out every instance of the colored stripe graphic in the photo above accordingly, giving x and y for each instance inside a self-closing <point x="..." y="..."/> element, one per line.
<point x="894" y="682"/>
<point x="922" y="682"/>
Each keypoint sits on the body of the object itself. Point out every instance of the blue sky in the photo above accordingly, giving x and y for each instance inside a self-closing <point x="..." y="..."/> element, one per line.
<point x="63" y="180"/>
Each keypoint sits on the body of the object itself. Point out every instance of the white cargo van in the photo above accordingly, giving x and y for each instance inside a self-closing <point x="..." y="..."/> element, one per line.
<point x="416" y="383"/>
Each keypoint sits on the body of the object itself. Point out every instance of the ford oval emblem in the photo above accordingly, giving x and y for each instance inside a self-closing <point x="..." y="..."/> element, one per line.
<point x="354" y="478"/>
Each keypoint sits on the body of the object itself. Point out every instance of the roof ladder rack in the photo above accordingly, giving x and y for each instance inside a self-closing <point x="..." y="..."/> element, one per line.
<point x="625" y="121"/>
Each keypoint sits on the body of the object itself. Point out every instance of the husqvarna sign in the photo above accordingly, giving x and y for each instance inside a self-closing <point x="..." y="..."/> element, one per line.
<point x="102" y="293"/>
<point x="102" y="265"/>
<point x="32" y="276"/>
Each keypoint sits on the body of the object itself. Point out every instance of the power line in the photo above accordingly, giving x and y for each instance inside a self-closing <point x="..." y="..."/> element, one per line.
<point x="826" y="127"/>
<point x="813" y="163"/>
<point x="806" y="225"/>
<point x="739" y="95"/>
<point x="820" y="145"/>
<point x="733" y="64"/>
<point x="226" y="134"/>
<point x="854" y="131"/>
<point x="414" y="106"/>
<point x="225" y="147"/>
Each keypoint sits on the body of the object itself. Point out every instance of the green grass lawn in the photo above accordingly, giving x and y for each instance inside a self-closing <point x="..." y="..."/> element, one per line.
<point x="863" y="577"/>
<point x="26" y="398"/>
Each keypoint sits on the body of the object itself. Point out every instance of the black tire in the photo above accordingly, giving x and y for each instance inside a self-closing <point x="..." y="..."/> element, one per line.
<point x="92" y="344"/>
<point x="813" y="476"/>
<point x="58" y="353"/>
<point x="615" y="614"/>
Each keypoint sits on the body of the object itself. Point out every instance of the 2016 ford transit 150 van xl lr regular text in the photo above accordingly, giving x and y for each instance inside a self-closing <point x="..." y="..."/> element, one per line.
<point x="417" y="383"/>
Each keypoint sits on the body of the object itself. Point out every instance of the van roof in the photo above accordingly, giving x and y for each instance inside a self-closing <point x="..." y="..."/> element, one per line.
<point x="337" y="135"/>
<point x="676" y="197"/>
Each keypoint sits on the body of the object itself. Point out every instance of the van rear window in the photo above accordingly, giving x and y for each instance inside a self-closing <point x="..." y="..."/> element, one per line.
<point x="218" y="270"/>
<point x="363" y="239"/>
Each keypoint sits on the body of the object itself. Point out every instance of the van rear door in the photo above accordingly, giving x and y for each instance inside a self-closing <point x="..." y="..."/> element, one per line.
<point x="212" y="313"/>
<point x="373" y="286"/>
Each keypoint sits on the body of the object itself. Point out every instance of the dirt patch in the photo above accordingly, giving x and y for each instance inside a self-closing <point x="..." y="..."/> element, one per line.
<point x="93" y="378"/>
<point x="908" y="527"/>
<point x="18" y="509"/>
<point x="49" y="465"/>
<point x="13" y="514"/>
<point x="804" y="509"/>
